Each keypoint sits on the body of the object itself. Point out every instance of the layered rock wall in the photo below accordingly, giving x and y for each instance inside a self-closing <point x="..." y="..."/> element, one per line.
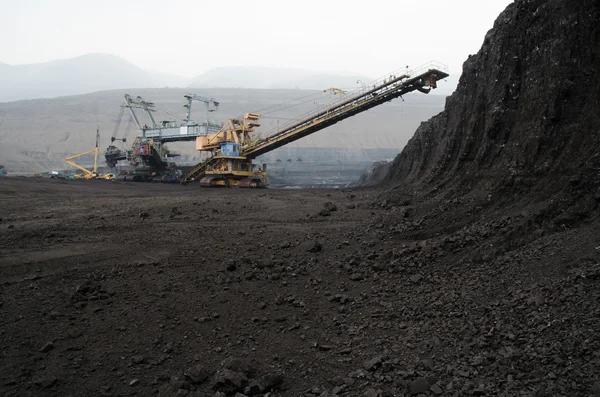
<point x="527" y="105"/>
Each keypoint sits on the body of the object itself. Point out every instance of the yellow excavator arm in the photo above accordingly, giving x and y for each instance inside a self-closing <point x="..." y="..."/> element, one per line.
<point x="88" y="174"/>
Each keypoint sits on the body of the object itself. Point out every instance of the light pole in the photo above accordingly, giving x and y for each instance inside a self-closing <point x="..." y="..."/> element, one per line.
<point x="361" y="83"/>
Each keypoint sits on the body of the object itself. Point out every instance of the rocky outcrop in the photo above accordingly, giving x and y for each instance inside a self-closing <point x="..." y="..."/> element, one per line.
<point x="374" y="175"/>
<point x="525" y="110"/>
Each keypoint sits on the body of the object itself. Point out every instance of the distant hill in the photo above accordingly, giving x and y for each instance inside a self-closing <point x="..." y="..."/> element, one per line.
<point x="80" y="75"/>
<point x="38" y="134"/>
<point x="100" y="72"/>
<point x="266" y="77"/>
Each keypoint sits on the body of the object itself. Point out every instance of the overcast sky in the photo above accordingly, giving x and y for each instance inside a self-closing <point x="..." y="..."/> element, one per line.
<point x="188" y="37"/>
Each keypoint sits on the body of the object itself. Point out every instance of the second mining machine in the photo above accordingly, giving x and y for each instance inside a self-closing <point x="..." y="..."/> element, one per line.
<point x="149" y="151"/>
<point x="234" y="147"/>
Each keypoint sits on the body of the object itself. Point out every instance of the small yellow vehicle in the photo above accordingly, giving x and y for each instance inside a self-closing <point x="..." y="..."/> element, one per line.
<point x="110" y="177"/>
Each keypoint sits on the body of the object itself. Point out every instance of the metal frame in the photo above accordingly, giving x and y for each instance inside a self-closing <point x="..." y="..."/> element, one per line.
<point x="423" y="79"/>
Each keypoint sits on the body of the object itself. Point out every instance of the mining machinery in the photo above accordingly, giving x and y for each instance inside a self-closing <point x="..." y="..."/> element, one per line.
<point x="114" y="154"/>
<point x="87" y="174"/>
<point x="149" y="152"/>
<point x="233" y="148"/>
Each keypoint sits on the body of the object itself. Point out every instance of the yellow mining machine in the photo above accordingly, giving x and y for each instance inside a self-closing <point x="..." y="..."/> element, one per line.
<point x="232" y="149"/>
<point x="87" y="174"/>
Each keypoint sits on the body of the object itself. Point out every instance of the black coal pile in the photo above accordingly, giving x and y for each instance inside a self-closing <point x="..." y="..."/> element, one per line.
<point x="495" y="202"/>
<point x="524" y="118"/>
<point x="374" y="175"/>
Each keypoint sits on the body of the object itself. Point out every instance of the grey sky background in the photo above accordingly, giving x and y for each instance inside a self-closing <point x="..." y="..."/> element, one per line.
<point x="188" y="37"/>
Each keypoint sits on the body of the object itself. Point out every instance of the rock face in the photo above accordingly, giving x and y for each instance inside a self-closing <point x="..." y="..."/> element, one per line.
<point x="374" y="175"/>
<point x="525" y="109"/>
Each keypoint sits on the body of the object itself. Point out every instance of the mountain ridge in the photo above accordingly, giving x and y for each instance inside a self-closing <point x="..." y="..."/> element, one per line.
<point x="71" y="76"/>
<point x="264" y="77"/>
<point x="95" y="72"/>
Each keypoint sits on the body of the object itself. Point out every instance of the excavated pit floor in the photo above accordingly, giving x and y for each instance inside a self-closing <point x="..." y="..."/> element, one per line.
<point x="118" y="289"/>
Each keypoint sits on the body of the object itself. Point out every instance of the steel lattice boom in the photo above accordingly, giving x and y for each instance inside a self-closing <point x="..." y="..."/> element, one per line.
<point x="233" y="150"/>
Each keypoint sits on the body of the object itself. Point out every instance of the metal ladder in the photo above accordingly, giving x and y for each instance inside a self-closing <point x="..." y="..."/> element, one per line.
<point x="197" y="171"/>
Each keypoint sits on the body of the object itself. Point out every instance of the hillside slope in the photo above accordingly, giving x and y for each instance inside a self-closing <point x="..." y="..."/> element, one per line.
<point x="526" y="107"/>
<point x="496" y="200"/>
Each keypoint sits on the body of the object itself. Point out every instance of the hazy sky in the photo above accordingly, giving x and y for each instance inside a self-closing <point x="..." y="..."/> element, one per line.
<point x="188" y="37"/>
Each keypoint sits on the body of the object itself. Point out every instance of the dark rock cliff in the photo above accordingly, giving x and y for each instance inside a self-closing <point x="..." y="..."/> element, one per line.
<point x="374" y="175"/>
<point x="526" y="109"/>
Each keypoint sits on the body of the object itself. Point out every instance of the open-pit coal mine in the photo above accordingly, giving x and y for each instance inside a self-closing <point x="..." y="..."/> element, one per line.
<point x="472" y="267"/>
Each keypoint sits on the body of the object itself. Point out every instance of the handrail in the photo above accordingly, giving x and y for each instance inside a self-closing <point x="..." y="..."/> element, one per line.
<point x="387" y="86"/>
<point x="359" y="92"/>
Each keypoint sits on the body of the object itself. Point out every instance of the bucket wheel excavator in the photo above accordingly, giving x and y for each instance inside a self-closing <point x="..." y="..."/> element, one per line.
<point x="114" y="154"/>
<point x="232" y="150"/>
<point x="149" y="152"/>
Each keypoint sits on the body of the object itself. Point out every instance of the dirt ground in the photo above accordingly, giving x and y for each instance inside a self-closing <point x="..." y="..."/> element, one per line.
<point x="111" y="289"/>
